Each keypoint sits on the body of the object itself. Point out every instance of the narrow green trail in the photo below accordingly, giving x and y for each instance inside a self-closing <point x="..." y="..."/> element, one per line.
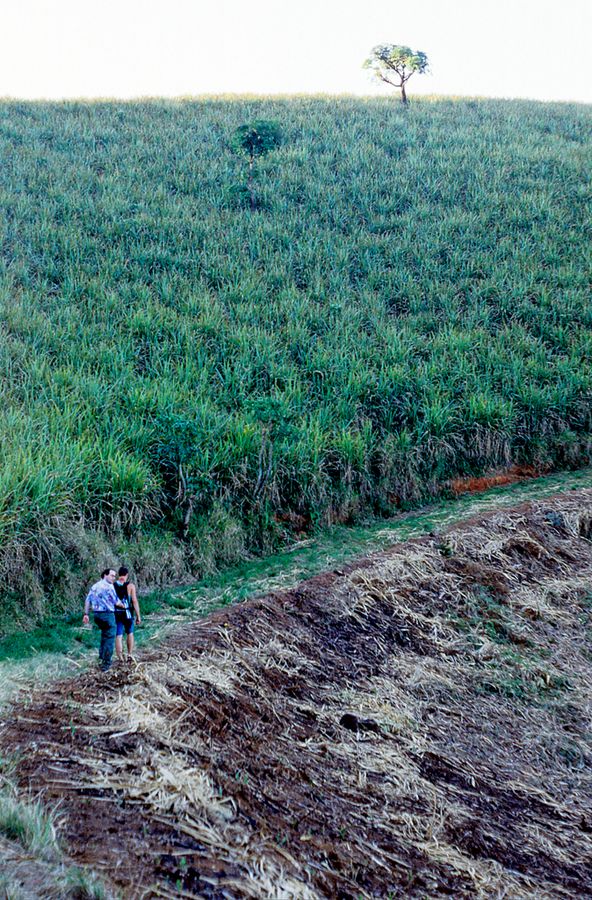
<point x="344" y="544"/>
<point x="63" y="647"/>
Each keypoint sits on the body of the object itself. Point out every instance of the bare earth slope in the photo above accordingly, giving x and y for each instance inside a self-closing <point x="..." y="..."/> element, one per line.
<point x="417" y="724"/>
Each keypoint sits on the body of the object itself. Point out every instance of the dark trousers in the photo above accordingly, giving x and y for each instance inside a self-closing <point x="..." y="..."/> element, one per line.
<point x="106" y="622"/>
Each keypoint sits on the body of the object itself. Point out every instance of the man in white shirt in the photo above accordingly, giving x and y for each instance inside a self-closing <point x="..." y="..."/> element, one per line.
<point x="102" y="600"/>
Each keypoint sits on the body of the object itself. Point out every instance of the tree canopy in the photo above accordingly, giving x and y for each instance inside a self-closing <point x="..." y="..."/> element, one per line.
<point x="257" y="138"/>
<point x="395" y="64"/>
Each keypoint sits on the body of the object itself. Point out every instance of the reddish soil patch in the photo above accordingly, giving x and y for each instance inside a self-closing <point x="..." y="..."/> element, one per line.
<point x="496" y="479"/>
<point x="415" y="725"/>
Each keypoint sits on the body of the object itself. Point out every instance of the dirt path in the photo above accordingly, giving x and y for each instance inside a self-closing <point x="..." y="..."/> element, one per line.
<point x="340" y="545"/>
<point x="414" y="725"/>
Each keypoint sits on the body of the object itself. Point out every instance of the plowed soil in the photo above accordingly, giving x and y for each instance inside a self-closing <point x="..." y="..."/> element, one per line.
<point x="414" y="725"/>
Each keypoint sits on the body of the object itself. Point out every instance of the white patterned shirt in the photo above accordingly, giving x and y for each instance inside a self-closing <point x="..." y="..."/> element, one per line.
<point x="101" y="597"/>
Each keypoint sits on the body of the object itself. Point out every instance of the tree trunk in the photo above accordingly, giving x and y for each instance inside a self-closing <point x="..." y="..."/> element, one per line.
<point x="187" y="512"/>
<point x="252" y="197"/>
<point x="404" y="99"/>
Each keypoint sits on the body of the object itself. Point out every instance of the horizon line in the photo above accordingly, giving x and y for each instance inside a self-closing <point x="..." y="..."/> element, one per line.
<point x="320" y="95"/>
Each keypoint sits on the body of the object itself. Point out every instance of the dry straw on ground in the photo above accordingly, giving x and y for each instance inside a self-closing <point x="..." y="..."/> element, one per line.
<point x="414" y="725"/>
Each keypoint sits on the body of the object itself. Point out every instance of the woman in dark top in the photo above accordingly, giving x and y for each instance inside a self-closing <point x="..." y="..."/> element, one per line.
<point x="127" y="607"/>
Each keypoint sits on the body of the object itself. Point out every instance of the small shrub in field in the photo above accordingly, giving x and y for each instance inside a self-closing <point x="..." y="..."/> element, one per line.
<point x="255" y="140"/>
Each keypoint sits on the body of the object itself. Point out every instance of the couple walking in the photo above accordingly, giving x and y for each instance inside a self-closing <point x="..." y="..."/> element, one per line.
<point x="114" y="603"/>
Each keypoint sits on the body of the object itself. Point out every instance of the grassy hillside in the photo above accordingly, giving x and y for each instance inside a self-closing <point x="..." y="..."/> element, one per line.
<point x="408" y="302"/>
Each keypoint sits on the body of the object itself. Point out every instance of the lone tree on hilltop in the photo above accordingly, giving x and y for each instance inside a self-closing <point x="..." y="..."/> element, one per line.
<point x="254" y="140"/>
<point x="395" y="64"/>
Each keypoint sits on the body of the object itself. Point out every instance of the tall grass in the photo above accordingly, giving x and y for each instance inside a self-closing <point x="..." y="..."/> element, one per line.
<point x="408" y="302"/>
<point x="33" y="863"/>
<point x="28" y="823"/>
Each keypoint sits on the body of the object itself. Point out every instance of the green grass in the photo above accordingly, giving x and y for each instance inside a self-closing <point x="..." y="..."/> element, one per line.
<point x="408" y="302"/>
<point x="29" y="824"/>
<point x="40" y="868"/>
<point x="83" y="884"/>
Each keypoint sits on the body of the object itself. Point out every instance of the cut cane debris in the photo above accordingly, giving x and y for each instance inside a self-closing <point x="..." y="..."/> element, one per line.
<point x="416" y="725"/>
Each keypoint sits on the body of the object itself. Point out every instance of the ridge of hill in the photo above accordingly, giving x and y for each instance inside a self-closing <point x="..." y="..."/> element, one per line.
<point x="187" y="380"/>
<point x="412" y="725"/>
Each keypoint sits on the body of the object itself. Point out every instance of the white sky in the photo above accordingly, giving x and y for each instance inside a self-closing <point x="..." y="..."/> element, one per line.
<point x="128" y="48"/>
